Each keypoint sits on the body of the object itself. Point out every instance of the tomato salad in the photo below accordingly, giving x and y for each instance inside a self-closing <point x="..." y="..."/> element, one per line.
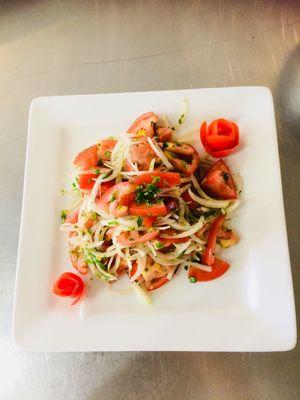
<point x="149" y="206"/>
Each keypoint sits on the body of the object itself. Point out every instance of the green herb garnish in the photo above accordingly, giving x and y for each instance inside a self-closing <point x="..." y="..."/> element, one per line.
<point x="193" y="279"/>
<point x="107" y="154"/>
<point x="181" y="119"/>
<point x="139" y="221"/>
<point x="146" y="193"/>
<point x="63" y="216"/>
<point x="159" y="245"/>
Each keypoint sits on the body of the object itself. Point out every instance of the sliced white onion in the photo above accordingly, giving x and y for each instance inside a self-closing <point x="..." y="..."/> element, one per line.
<point x="141" y="264"/>
<point x="232" y="207"/>
<point x="160" y="154"/>
<point x="198" y="188"/>
<point x="152" y="164"/>
<point x="197" y="265"/>
<point x="209" y="203"/>
<point x="194" y="228"/>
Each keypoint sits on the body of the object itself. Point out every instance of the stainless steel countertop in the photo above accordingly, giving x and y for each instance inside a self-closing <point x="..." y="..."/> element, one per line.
<point x="57" y="47"/>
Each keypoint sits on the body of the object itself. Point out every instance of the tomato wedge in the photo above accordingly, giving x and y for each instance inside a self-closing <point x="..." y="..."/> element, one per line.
<point x="69" y="285"/>
<point x="105" y="148"/>
<point x="218" y="182"/>
<point x="141" y="153"/>
<point x="144" y="123"/>
<point x="86" y="182"/>
<point x="72" y="217"/>
<point x="220" y="138"/>
<point x="219" y="267"/>
<point x="147" y="222"/>
<point x="208" y="255"/>
<point x="115" y="200"/>
<point x="157" y="283"/>
<point x="145" y="210"/>
<point x="162" y="179"/>
<point x="87" y="158"/>
<point x="132" y="238"/>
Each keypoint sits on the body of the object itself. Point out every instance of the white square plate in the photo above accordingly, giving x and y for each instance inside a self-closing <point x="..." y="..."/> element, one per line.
<point x="251" y="308"/>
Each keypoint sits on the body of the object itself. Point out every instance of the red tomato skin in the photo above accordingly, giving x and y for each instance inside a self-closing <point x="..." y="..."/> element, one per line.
<point x="87" y="158"/>
<point x="86" y="182"/>
<point x="166" y="179"/>
<point x="145" y="121"/>
<point x="213" y="137"/>
<point x="69" y="284"/>
<point x="105" y="148"/>
<point x="148" y="222"/>
<point x="143" y="210"/>
<point x="219" y="267"/>
<point x="208" y="257"/>
<point x="157" y="283"/>
<point x="118" y="196"/>
<point x="215" y="184"/>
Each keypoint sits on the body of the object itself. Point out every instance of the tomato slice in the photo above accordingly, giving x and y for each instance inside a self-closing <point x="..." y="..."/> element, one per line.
<point x="145" y="210"/>
<point x="219" y="267"/>
<point x="145" y="122"/>
<point x="86" y="182"/>
<point x="72" y="217"/>
<point x="187" y="198"/>
<point x="218" y="182"/>
<point x="105" y="186"/>
<point x="208" y="255"/>
<point x="105" y="148"/>
<point x="220" y="138"/>
<point x="142" y="153"/>
<point x="164" y="179"/>
<point x="87" y="158"/>
<point x="132" y="238"/>
<point x="147" y="222"/>
<point x="157" y="283"/>
<point x="115" y="200"/>
<point x="69" y="285"/>
<point x="133" y="269"/>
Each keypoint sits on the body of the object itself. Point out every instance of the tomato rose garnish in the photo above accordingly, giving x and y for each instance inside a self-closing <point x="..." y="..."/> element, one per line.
<point x="69" y="285"/>
<point x="220" y="138"/>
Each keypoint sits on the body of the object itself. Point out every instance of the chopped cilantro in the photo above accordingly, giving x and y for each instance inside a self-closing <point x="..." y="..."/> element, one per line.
<point x="63" y="216"/>
<point x="139" y="221"/>
<point x="97" y="171"/>
<point x="107" y="154"/>
<point x="193" y="279"/>
<point x="146" y="193"/>
<point x="181" y="119"/>
<point x="159" y="245"/>
<point x="113" y="222"/>
<point x="112" y="198"/>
